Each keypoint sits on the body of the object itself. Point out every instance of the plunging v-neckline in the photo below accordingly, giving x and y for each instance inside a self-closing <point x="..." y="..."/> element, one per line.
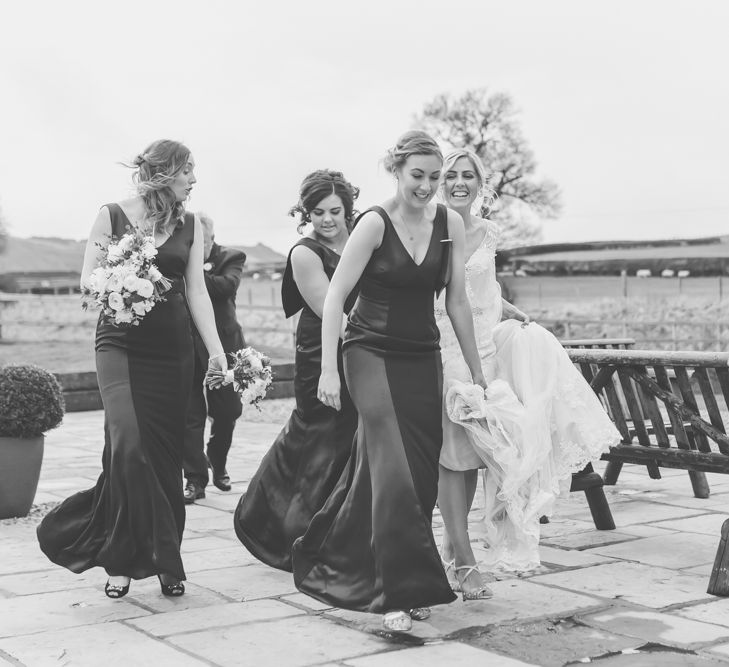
<point x="417" y="265"/>
<point x="133" y="226"/>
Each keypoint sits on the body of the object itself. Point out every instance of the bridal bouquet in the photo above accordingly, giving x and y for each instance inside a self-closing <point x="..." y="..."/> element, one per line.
<point x="250" y="374"/>
<point x="126" y="285"/>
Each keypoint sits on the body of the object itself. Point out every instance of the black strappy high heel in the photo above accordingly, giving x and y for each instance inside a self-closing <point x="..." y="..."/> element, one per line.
<point x="173" y="590"/>
<point x="115" y="592"/>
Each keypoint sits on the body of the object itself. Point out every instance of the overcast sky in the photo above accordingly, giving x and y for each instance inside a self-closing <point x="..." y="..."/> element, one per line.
<point x="625" y="103"/>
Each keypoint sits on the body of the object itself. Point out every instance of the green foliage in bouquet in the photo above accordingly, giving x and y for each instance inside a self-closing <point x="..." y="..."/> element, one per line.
<point x="31" y="401"/>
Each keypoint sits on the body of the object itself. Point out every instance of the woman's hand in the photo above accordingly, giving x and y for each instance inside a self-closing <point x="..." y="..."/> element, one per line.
<point x="329" y="390"/>
<point x="480" y="380"/>
<point x="217" y="368"/>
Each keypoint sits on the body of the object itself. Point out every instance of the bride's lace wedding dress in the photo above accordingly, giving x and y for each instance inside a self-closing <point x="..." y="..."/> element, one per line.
<point x="537" y="423"/>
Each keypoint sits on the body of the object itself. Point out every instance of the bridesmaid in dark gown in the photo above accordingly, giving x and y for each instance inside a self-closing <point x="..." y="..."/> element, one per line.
<point x="131" y="522"/>
<point x="307" y="458"/>
<point x="371" y="548"/>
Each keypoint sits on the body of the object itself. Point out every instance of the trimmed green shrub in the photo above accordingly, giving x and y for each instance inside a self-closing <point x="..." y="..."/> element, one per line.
<point x="31" y="401"/>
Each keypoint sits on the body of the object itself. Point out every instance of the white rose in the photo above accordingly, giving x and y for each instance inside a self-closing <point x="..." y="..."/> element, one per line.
<point x="148" y="250"/>
<point x="98" y="280"/>
<point x="116" y="301"/>
<point x="115" y="282"/>
<point x="144" y="288"/>
<point x="126" y="242"/>
<point x="114" y="253"/>
<point x="140" y="307"/>
<point x="255" y="363"/>
<point x="130" y="282"/>
<point x="123" y="317"/>
<point x="154" y="273"/>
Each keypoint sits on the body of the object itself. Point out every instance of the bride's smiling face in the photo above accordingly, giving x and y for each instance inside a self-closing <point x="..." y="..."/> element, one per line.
<point x="461" y="184"/>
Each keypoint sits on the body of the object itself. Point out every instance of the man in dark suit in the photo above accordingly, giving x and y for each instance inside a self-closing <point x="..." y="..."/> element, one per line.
<point x="223" y="269"/>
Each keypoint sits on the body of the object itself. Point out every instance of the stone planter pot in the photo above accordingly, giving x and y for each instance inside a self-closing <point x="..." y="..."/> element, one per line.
<point x="20" y="466"/>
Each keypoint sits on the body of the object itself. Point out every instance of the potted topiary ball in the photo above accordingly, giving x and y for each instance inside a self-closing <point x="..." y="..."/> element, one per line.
<point x="31" y="403"/>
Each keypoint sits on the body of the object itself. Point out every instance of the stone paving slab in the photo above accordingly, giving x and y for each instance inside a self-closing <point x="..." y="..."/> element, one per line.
<point x="569" y="557"/>
<point x="63" y="609"/>
<point x="442" y="655"/>
<point x="50" y="580"/>
<point x="648" y="530"/>
<point x="206" y="543"/>
<point x="248" y="582"/>
<point x="659" y="628"/>
<point x="641" y="584"/>
<point x="233" y="555"/>
<point x="708" y="524"/>
<point x="107" y="644"/>
<point x="552" y="642"/>
<point x="514" y="599"/>
<point x="305" y="602"/>
<point x="672" y="551"/>
<point x="642" y="512"/>
<point x="587" y="539"/>
<point x="290" y="642"/>
<point x="22" y="556"/>
<point x="146" y="593"/>
<point x="716" y="611"/>
<point x="213" y="616"/>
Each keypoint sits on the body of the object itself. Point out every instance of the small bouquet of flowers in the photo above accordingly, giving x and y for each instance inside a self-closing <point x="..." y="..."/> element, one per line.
<point x="126" y="285"/>
<point x="250" y="374"/>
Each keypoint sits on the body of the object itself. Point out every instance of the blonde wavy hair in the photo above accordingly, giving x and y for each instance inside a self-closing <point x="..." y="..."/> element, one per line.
<point x="156" y="167"/>
<point x="486" y="194"/>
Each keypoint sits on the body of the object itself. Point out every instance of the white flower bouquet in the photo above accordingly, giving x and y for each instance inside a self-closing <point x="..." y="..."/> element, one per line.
<point x="126" y="285"/>
<point x="250" y="374"/>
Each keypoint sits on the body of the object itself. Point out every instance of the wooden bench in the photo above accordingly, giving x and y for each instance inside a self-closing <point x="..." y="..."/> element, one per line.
<point x="598" y="343"/>
<point x="670" y="409"/>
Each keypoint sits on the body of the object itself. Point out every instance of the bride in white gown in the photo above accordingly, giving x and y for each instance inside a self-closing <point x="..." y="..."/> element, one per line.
<point x="536" y="424"/>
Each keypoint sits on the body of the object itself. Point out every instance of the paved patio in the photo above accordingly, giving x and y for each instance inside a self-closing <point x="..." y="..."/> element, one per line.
<point x="632" y="596"/>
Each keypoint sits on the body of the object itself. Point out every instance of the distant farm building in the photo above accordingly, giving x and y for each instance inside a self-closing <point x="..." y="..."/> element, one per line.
<point x="700" y="257"/>
<point x="53" y="265"/>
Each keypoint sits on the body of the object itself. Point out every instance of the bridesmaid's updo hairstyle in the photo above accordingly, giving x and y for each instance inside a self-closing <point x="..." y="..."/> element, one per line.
<point x="485" y="191"/>
<point x="319" y="185"/>
<point x="155" y="168"/>
<point x="413" y="142"/>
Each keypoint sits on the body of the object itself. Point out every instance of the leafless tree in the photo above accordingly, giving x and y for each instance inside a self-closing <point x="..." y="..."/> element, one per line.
<point x="488" y="125"/>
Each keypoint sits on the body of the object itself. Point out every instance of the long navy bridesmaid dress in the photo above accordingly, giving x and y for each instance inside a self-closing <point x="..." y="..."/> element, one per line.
<point x="131" y="522"/>
<point x="307" y="458"/>
<point x="371" y="548"/>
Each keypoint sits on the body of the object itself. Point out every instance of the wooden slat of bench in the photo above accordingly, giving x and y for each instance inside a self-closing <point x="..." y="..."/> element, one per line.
<point x="723" y="375"/>
<point x="679" y="432"/>
<point x="624" y="376"/>
<point x="692" y="459"/>
<point x="712" y="407"/>
<point x="652" y="411"/>
<point x="687" y="393"/>
<point x="603" y="381"/>
<point x="650" y="357"/>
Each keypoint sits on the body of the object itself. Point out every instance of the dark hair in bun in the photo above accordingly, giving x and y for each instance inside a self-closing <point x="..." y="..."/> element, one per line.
<point x="413" y="142"/>
<point x="319" y="185"/>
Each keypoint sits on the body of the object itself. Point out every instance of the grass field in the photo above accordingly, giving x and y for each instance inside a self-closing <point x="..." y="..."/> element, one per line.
<point x="54" y="332"/>
<point x="546" y="292"/>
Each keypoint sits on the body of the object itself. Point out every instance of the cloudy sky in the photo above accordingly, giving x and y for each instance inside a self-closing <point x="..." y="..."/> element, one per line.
<point x="625" y="103"/>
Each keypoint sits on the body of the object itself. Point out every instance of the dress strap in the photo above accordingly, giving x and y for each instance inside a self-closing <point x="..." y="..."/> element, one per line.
<point x="120" y="224"/>
<point x="444" y="272"/>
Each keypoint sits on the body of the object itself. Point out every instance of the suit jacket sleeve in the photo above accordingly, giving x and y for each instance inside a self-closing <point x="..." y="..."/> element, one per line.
<point x="225" y="282"/>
